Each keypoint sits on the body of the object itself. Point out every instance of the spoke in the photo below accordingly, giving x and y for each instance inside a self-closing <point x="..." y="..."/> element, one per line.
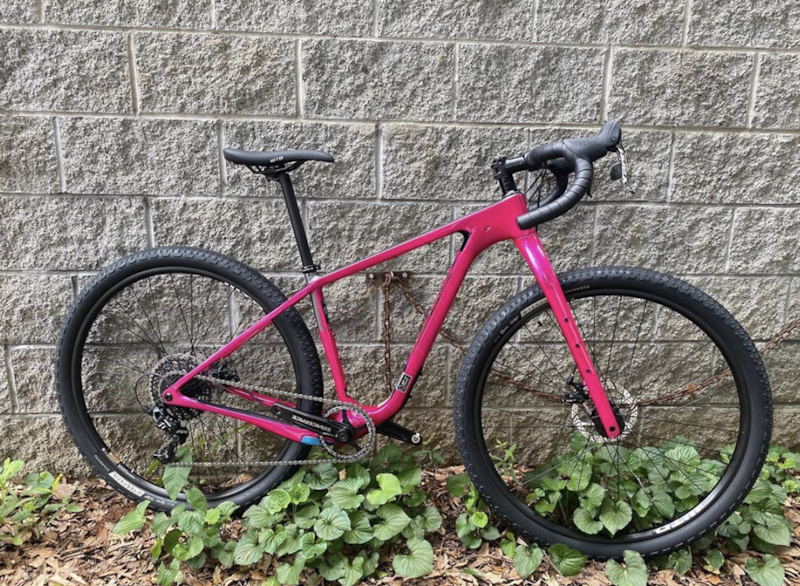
<point x="180" y="307"/>
<point x="550" y="381"/>
<point x="147" y="316"/>
<point x="635" y="344"/>
<point x="546" y="355"/>
<point x="697" y="425"/>
<point x="222" y="306"/>
<point x="206" y="444"/>
<point x="155" y="308"/>
<point x="683" y="360"/>
<point x="620" y="482"/>
<point x="211" y="283"/>
<point x="256" y="447"/>
<point x="145" y="340"/>
<point x="705" y="396"/>
<point x="613" y="338"/>
<point x="191" y="309"/>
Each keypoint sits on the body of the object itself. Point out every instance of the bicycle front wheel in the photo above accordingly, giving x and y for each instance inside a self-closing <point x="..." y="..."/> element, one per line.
<point x="139" y="326"/>
<point x="685" y="379"/>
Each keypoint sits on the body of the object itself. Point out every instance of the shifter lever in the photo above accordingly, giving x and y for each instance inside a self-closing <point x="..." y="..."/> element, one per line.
<point x="620" y="169"/>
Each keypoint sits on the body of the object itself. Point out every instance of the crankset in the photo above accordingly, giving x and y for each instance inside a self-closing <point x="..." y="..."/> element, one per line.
<point x="341" y="432"/>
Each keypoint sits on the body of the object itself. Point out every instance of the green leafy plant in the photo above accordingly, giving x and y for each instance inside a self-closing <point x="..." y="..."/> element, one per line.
<point x="678" y="477"/>
<point x="27" y="507"/>
<point x="632" y="572"/>
<point x="567" y="561"/>
<point x="472" y="526"/>
<point x="769" y="573"/>
<point x="591" y="505"/>
<point x="330" y="520"/>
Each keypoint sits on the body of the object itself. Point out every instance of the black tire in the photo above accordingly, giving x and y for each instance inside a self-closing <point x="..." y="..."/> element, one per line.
<point x="98" y="359"/>
<point x="482" y="411"/>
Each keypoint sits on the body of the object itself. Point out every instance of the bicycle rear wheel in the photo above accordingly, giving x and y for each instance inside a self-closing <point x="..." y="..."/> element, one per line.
<point x="135" y="329"/>
<point x="684" y="376"/>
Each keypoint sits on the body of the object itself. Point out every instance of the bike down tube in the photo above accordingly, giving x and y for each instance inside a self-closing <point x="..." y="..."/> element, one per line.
<point x="530" y="246"/>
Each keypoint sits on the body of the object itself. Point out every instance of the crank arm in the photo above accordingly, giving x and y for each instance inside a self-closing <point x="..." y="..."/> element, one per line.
<point x="318" y="424"/>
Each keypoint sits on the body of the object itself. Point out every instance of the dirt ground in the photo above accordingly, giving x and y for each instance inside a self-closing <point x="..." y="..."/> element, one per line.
<point x="79" y="549"/>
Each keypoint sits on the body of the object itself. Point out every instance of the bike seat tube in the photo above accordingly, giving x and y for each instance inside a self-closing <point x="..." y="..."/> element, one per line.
<point x="297" y="224"/>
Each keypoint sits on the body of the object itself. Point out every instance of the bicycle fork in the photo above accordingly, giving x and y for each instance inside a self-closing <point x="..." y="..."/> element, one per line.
<point x="530" y="246"/>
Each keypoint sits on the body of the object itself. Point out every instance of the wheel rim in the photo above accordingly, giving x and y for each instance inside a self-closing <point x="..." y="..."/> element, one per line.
<point x="620" y="478"/>
<point x="135" y="346"/>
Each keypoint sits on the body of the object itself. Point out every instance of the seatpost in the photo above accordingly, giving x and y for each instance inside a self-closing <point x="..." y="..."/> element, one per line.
<point x="297" y="224"/>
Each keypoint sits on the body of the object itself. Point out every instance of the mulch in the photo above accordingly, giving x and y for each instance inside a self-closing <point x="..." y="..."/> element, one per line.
<point x="79" y="549"/>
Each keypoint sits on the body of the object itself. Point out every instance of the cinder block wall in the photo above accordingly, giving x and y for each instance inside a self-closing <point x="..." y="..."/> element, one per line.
<point x="113" y="118"/>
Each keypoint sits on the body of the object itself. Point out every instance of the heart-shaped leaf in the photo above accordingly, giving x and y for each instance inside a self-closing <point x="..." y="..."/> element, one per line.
<point x="259" y="517"/>
<point x="430" y="519"/>
<point x="360" y="529"/>
<point x="770" y="573"/>
<point x="344" y="494"/>
<point x="290" y="573"/>
<point x="458" y="484"/>
<point x="299" y="493"/>
<point x="774" y="531"/>
<point x="161" y="524"/>
<point x="479" y="519"/>
<point x="248" y="551"/>
<point x="585" y="521"/>
<point x="389" y="488"/>
<point x="393" y="521"/>
<point x="197" y="499"/>
<point x="332" y="523"/>
<point x="307" y="516"/>
<point x="566" y="560"/>
<point x="353" y="572"/>
<point x="321" y="476"/>
<point x="418" y="562"/>
<point x="191" y="522"/>
<point x="593" y="496"/>
<point x="615" y="515"/>
<point x="527" y="560"/>
<point x="277" y="500"/>
<point x="680" y="561"/>
<point x="632" y="573"/>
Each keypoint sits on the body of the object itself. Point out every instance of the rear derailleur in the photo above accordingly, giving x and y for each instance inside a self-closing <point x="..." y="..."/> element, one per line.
<point x="172" y="427"/>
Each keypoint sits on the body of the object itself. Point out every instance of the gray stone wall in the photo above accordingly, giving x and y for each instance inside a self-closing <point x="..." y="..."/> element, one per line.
<point x="113" y="117"/>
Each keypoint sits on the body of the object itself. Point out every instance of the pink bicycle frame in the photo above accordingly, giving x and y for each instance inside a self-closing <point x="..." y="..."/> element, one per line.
<point x="482" y="229"/>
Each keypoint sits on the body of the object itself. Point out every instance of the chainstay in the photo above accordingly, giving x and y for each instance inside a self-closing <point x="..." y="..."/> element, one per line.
<point x="333" y="403"/>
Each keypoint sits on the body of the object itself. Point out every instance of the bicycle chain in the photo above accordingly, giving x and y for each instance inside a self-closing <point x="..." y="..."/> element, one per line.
<point x="336" y="406"/>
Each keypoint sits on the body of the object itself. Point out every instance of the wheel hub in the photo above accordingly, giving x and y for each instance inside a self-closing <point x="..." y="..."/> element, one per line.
<point x="166" y="373"/>
<point x="625" y="410"/>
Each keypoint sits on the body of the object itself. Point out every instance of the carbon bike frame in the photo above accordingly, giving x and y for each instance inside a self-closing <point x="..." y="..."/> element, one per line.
<point x="481" y="229"/>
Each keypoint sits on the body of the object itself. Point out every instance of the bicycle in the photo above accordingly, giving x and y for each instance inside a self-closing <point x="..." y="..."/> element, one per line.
<point x="162" y="360"/>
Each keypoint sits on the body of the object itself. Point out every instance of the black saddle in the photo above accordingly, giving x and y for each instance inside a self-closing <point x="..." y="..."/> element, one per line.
<point x="273" y="163"/>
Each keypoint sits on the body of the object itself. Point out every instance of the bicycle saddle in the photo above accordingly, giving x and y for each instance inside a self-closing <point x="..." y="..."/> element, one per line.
<point x="274" y="162"/>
